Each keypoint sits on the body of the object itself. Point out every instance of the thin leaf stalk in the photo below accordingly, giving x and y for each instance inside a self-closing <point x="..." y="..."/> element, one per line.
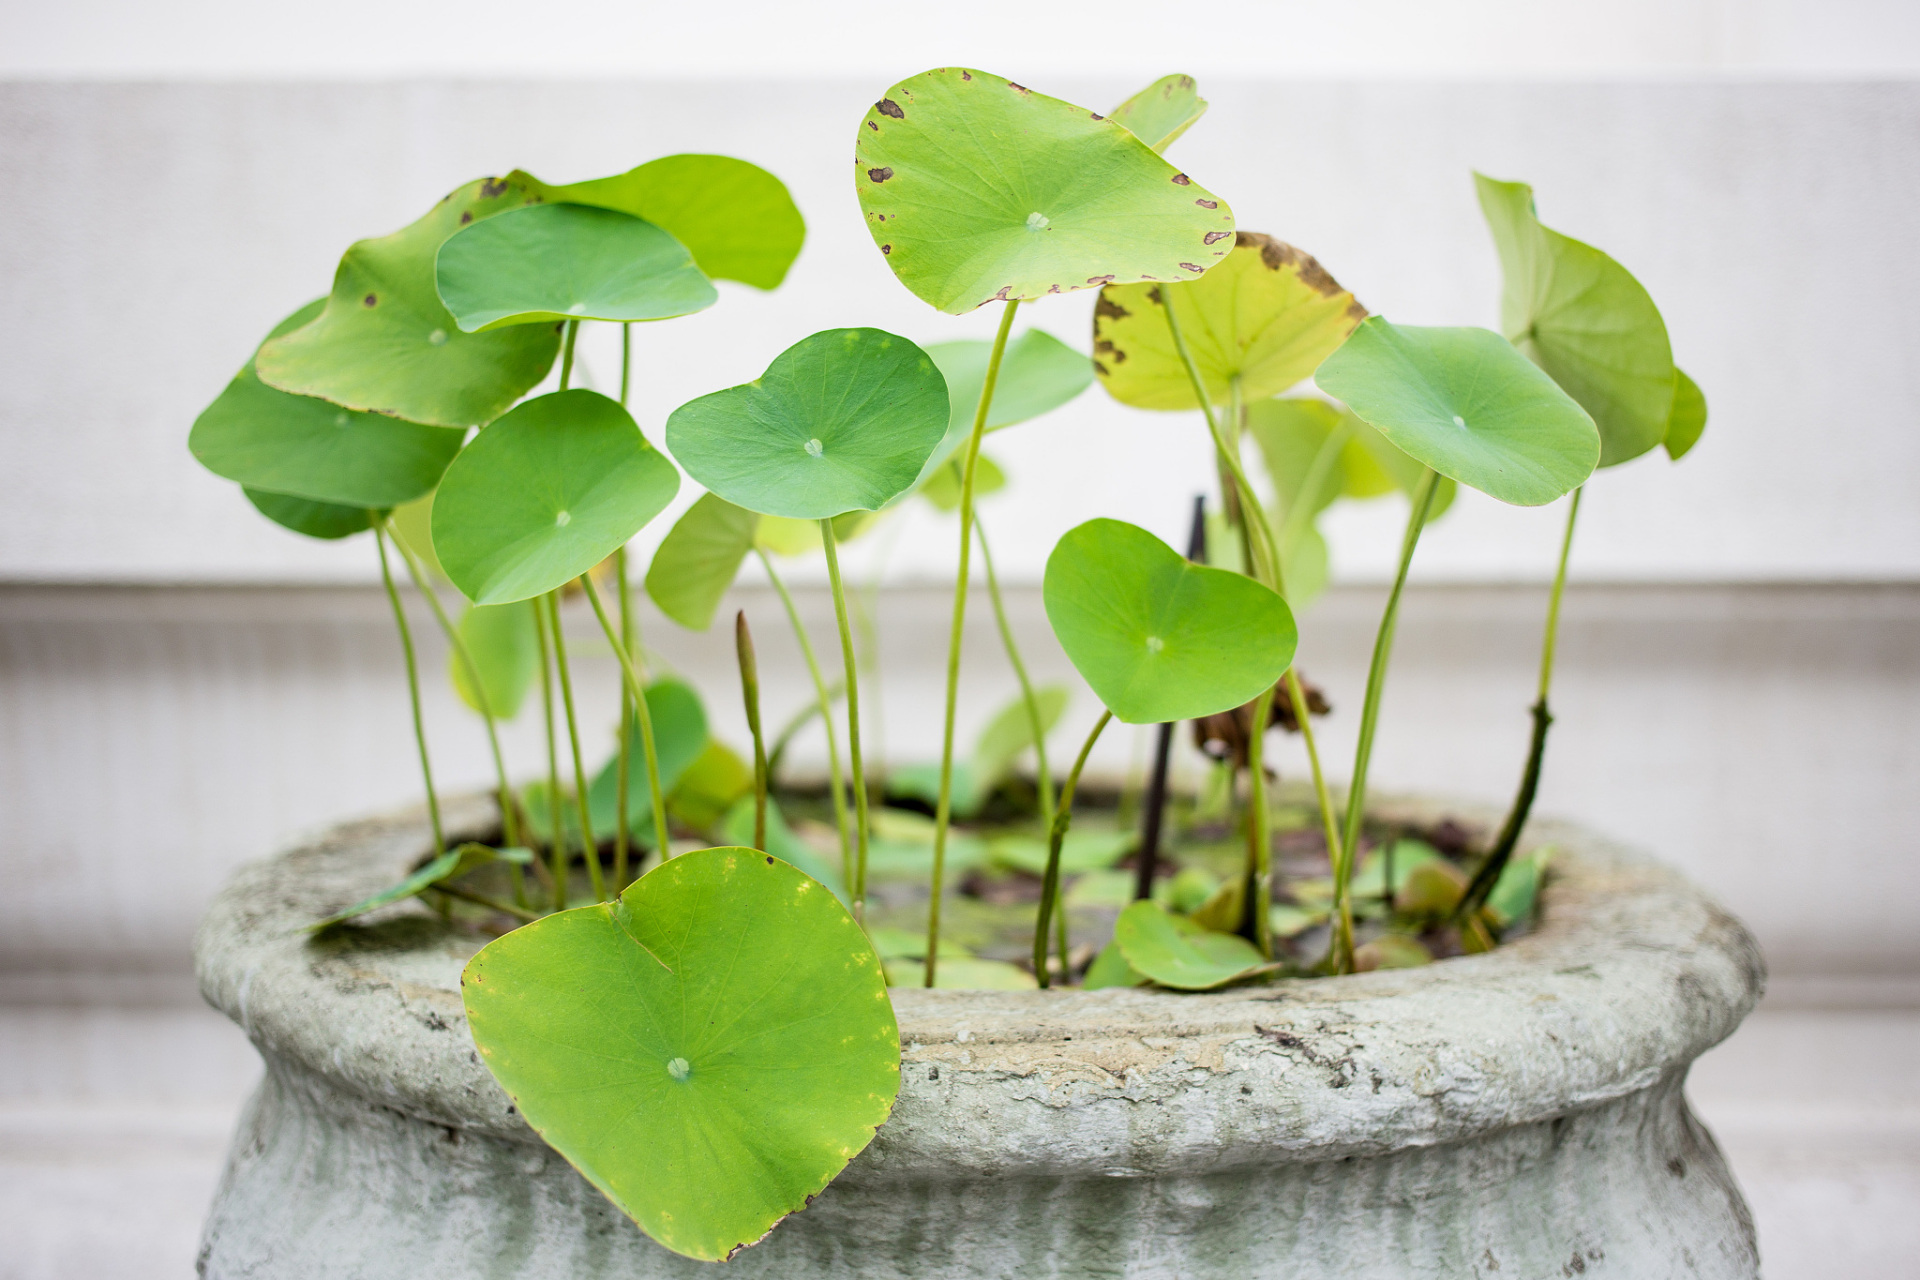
<point x="943" y="808"/>
<point x="590" y="848"/>
<point x="623" y="765"/>
<point x="1256" y="924"/>
<point x="1044" y="776"/>
<point x="750" y="695"/>
<point x="556" y="838"/>
<point x="566" y="354"/>
<point x="413" y="687"/>
<point x="648" y="750"/>
<point x="1340" y="954"/>
<point x="1056" y="839"/>
<point x="851" y="661"/>
<point x="835" y="780"/>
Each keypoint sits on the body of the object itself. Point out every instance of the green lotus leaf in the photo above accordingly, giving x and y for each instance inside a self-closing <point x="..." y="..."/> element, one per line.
<point x="708" y="789"/>
<point x="1467" y="404"/>
<point x="328" y="520"/>
<point x="544" y="494"/>
<point x="1583" y="318"/>
<point x="1689" y="416"/>
<point x="783" y="844"/>
<point x="1157" y="637"/>
<point x="699" y="559"/>
<point x="709" y="1051"/>
<point x="1038" y="374"/>
<point x="448" y="866"/>
<point x="315" y="449"/>
<point x="680" y="737"/>
<point x="385" y="343"/>
<point x="501" y="641"/>
<point x="1161" y="112"/>
<point x="734" y="217"/>
<point x="1080" y="852"/>
<point x="1268" y="315"/>
<point x="1177" y="953"/>
<point x="1110" y="969"/>
<point x="977" y="189"/>
<point x="550" y="262"/>
<point x="1292" y="433"/>
<point x="841" y="421"/>
<point x="941" y="488"/>
<point x="1392" y="951"/>
<point x="1518" y="888"/>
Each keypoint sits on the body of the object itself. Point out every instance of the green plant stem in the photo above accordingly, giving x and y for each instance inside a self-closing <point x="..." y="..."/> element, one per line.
<point x="943" y="809"/>
<point x="1056" y="837"/>
<point x="509" y="811"/>
<point x="750" y="694"/>
<point x="1044" y="775"/>
<point x="1504" y="844"/>
<point x="1340" y="954"/>
<point x="859" y="778"/>
<point x="626" y="360"/>
<point x="648" y="750"/>
<point x="413" y="687"/>
<point x="1250" y="505"/>
<point x="556" y="842"/>
<point x="492" y="904"/>
<point x="590" y="848"/>
<point x="835" y="779"/>
<point x="566" y="354"/>
<point x="623" y="767"/>
<point x="1256" y="926"/>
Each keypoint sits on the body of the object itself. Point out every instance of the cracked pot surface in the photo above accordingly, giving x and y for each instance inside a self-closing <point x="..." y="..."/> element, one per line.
<point x="1514" y="1114"/>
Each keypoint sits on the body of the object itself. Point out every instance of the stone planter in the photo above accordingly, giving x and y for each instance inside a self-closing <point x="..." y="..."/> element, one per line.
<point x="1512" y="1115"/>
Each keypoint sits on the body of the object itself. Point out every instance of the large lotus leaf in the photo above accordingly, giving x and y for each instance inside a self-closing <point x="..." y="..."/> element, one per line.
<point x="315" y="449"/>
<point x="551" y="262"/>
<point x="1689" y="416"/>
<point x="1176" y="953"/>
<point x="1583" y="318"/>
<point x="328" y="520"/>
<point x="1467" y="404"/>
<point x="504" y="645"/>
<point x="1156" y="636"/>
<point x="735" y="218"/>
<point x="679" y="738"/>
<point x="1161" y="112"/>
<point x="841" y="421"/>
<point x="386" y="344"/>
<point x="710" y="1050"/>
<point x="1268" y="315"/>
<point x="699" y="559"/>
<point x="546" y="493"/>
<point x="1038" y="374"/>
<point x="977" y="189"/>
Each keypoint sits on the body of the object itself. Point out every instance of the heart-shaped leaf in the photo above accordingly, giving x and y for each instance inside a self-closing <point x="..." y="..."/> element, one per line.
<point x="977" y="189"/>
<point x="1268" y="315"/>
<point x="1583" y="318"/>
<point x="1038" y="374"/>
<point x="735" y="218"/>
<point x="386" y="344"/>
<point x="504" y="645"/>
<point x="1688" y="418"/>
<point x="699" y="559"/>
<point x="551" y="262"/>
<point x="1467" y="404"/>
<point x="1157" y="637"/>
<point x="326" y="520"/>
<point x="545" y="494"/>
<point x="1161" y="112"/>
<point x="841" y="421"/>
<point x="313" y="448"/>
<point x="1177" y="953"/>
<point x="448" y="866"/>
<point x="710" y="1050"/>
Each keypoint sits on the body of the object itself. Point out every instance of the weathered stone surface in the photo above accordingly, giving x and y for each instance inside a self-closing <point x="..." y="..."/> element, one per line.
<point x="1518" y="1114"/>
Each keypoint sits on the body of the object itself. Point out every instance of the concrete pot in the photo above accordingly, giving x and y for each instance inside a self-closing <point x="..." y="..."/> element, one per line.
<point x="1514" y="1115"/>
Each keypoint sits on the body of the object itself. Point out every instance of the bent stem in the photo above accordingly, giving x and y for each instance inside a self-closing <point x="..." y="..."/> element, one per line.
<point x="509" y="811"/>
<point x="631" y="675"/>
<point x="1056" y="837"/>
<point x="556" y="842"/>
<point x="825" y="703"/>
<point x="590" y="848"/>
<point x="943" y="809"/>
<point x="852" y="663"/>
<point x="1256" y="517"/>
<point x="1489" y="871"/>
<point x="1340" y="952"/>
<point x="750" y="694"/>
<point x="413" y="686"/>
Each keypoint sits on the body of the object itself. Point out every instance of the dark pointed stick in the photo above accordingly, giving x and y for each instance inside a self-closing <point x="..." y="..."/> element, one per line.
<point x="1156" y="802"/>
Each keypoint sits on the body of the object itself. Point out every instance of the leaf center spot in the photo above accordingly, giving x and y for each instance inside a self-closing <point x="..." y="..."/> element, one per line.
<point x="340" y="419"/>
<point x="563" y="519"/>
<point x="1155" y="644"/>
<point x="1036" y="222"/>
<point x="679" y="1068"/>
<point x="437" y="338"/>
<point x="1459" y="421"/>
<point x="815" y="448"/>
<point x="577" y="309"/>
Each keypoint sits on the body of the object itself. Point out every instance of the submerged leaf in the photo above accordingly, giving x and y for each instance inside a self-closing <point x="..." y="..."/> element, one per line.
<point x="1080" y="852"/>
<point x="679" y="739"/>
<point x="1110" y="969"/>
<point x="1391" y="951"/>
<point x="449" y="865"/>
<point x="1175" y="953"/>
